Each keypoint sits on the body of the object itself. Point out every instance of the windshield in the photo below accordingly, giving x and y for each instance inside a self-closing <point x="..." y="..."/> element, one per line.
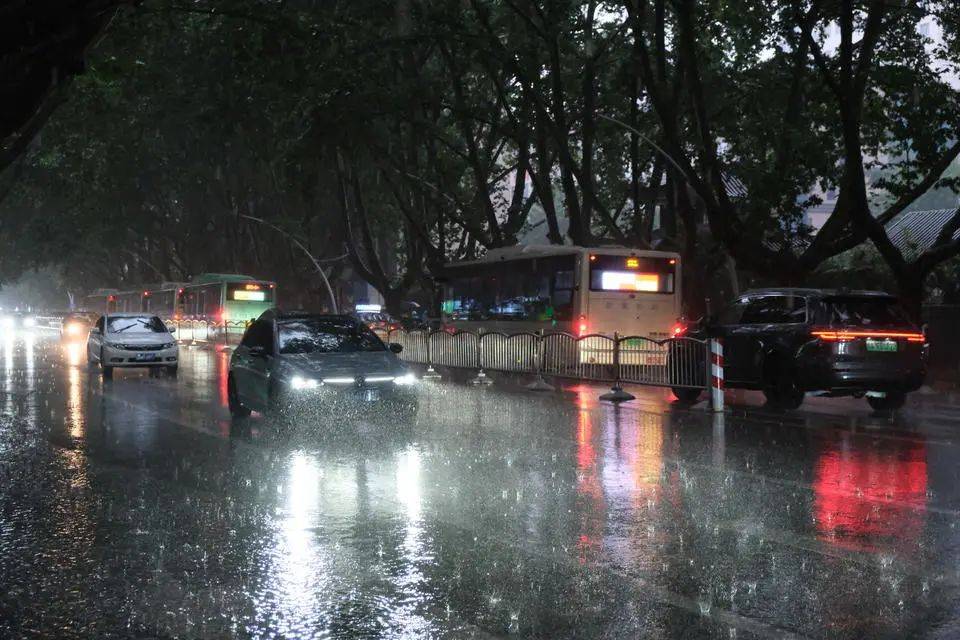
<point x="632" y="274"/>
<point x="136" y="324"/>
<point x="862" y="312"/>
<point x="326" y="336"/>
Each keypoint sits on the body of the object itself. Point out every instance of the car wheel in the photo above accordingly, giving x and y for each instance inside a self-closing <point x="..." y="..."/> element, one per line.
<point x="892" y="401"/>
<point x="233" y="400"/>
<point x="106" y="372"/>
<point x="172" y="370"/>
<point x="784" y="392"/>
<point x="685" y="395"/>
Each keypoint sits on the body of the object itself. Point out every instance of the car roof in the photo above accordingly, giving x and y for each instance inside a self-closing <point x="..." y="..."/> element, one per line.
<point x="280" y="315"/>
<point x="818" y="293"/>
<point x="132" y="314"/>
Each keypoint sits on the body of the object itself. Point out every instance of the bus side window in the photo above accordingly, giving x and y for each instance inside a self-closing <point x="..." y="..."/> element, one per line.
<point x="562" y="298"/>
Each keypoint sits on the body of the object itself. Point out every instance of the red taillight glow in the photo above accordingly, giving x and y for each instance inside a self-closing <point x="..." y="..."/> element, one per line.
<point x="679" y="328"/>
<point x="583" y="327"/>
<point x="841" y="335"/>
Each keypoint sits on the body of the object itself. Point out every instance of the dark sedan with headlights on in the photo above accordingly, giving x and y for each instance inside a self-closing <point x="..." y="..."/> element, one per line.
<point x="300" y="360"/>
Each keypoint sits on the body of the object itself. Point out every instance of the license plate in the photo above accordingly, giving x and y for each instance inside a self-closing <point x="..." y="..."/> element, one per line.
<point x="146" y="357"/>
<point x="369" y="395"/>
<point x="881" y="345"/>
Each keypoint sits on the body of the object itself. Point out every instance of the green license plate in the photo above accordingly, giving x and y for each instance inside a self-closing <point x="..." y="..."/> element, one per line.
<point x="881" y="345"/>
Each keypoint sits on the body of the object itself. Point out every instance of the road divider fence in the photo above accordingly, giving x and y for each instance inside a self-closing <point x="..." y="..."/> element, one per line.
<point x="677" y="363"/>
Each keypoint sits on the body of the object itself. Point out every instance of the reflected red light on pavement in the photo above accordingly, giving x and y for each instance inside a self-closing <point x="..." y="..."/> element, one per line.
<point x="223" y="371"/>
<point x="871" y="498"/>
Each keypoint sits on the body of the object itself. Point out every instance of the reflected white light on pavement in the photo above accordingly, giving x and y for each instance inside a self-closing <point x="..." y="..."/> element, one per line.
<point x="414" y="549"/>
<point x="408" y="485"/>
<point x="7" y="344"/>
<point x="74" y="353"/>
<point x="74" y="403"/>
<point x="300" y="573"/>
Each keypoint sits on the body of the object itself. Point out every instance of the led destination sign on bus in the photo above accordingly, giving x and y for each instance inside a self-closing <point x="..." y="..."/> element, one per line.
<point x="249" y="292"/>
<point x="249" y="296"/>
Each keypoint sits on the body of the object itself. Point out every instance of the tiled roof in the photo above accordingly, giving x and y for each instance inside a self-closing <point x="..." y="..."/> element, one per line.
<point x="916" y="231"/>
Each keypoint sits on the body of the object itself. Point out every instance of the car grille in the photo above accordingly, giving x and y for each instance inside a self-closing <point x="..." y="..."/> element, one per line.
<point x="141" y="347"/>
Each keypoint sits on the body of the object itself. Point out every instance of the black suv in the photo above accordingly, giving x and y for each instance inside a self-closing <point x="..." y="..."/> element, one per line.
<point x="786" y="342"/>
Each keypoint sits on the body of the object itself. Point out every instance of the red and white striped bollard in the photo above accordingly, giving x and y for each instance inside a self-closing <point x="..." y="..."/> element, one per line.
<point x="716" y="374"/>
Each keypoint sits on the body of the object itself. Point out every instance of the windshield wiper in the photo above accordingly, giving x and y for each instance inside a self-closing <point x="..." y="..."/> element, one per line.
<point x="129" y="326"/>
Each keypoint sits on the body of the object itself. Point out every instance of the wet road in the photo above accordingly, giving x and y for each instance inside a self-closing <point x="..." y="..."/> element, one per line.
<point x="136" y="509"/>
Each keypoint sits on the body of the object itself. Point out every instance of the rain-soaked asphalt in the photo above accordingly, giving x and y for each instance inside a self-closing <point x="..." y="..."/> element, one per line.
<point x="135" y="509"/>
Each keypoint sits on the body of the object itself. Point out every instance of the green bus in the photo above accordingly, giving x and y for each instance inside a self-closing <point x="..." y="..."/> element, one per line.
<point x="224" y="297"/>
<point x="215" y="298"/>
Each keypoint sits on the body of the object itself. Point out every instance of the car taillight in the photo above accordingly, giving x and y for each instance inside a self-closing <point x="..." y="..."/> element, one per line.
<point x="582" y="326"/>
<point x="841" y="335"/>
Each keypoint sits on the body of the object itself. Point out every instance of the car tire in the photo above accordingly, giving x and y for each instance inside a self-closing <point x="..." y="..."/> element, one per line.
<point x="686" y="396"/>
<point x="784" y="392"/>
<point x="172" y="370"/>
<point x="891" y="402"/>
<point x="237" y="409"/>
<point x="106" y="372"/>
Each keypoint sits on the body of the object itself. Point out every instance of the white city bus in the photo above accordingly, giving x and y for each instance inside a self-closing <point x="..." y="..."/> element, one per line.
<point x="563" y="288"/>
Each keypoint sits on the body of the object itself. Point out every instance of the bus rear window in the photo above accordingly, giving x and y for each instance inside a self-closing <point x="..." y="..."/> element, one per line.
<point x="632" y="274"/>
<point x="249" y="292"/>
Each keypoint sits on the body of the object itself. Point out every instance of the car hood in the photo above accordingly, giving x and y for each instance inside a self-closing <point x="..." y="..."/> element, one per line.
<point x="330" y="365"/>
<point x="139" y="338"/>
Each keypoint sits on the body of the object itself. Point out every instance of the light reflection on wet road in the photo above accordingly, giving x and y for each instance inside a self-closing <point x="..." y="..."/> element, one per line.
<point x="135" y="508"/>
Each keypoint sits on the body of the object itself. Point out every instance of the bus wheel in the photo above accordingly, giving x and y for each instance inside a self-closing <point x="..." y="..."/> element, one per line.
<point x="891" y="402"/>
<point x="685" y="395"/>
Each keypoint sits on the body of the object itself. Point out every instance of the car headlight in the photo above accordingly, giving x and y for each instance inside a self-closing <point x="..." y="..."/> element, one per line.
<point x="298" y="382"/>
<point x="29" y="322"/>
<point x="74" y="329"/>
<point x="168" y="345"/>
<point x="114" y="345"/>
<point x="405" y="380"/>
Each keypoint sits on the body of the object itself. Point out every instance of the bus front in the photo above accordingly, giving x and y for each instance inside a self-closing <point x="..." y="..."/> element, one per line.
<point x="243" y="302"/>
<point x="632" y="293"/>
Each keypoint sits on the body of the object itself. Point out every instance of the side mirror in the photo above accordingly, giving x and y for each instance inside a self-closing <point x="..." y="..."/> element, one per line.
<point x="258" y="352"/>
<point x="394" y="347"/>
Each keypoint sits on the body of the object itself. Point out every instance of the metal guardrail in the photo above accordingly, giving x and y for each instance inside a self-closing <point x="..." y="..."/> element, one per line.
<point x="204" y="332"/>
<point x="678" y="363"/>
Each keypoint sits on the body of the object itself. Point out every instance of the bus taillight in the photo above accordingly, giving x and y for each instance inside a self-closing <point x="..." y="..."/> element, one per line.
<point x="679" y="328"/>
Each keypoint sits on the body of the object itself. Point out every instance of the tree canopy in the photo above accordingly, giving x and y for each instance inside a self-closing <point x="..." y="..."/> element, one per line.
<point x="393" y="136"/>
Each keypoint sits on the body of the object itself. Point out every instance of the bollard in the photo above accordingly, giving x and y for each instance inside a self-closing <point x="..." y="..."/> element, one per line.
<point x="539" y="384"/>
<point x="431" y="373"/>
<point x="616" y="393"/>
<point x="482" y="378"/>
<point x="715" y="371"/>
